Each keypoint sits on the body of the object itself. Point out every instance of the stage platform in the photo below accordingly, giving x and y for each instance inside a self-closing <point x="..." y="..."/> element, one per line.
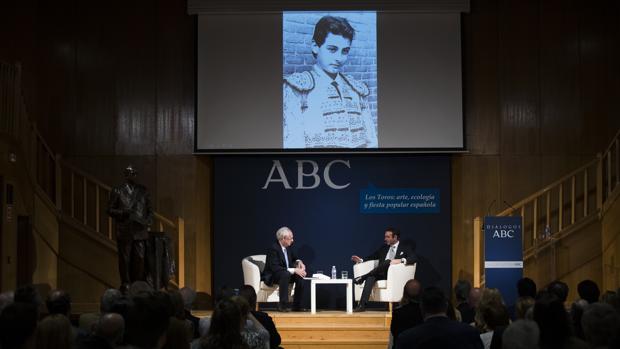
<point x="331" y="329"/>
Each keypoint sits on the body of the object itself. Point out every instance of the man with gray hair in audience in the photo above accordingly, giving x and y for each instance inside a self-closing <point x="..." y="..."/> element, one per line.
<point x="88" y="321"/>
<point x="521" y="334"/>
<point x="601" y="325"/>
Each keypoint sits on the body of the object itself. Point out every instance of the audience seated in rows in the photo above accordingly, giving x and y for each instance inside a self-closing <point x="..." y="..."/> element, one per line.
<point x="145" y="318"/>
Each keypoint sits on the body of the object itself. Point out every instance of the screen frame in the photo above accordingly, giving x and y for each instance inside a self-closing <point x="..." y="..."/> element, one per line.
<point x="379" y="150"/>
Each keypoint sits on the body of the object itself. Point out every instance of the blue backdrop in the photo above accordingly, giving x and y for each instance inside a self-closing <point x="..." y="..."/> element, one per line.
<point x="336" y="206"/>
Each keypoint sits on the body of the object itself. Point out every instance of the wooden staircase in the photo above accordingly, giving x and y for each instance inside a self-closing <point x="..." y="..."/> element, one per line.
<point x="69" y="208"/>
<point x="334" y="329"/>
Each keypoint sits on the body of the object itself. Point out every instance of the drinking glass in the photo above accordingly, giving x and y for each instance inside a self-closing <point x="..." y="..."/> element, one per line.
<point x="344" y="274"/>
<point x="319" y="272"/>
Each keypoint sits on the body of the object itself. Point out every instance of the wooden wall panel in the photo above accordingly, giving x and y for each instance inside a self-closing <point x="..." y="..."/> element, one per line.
<point x="519" y="54"/>
<point x="519" y="177"/>
<point x="481" y="94"/>
<point x="596" y="44"/>
<point x="176" y="58"/>
<point x="559" y="92"/>
<point x="475" y="192"/>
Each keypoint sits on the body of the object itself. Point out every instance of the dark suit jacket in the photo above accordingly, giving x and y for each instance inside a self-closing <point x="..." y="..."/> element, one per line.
<point x="270" y="326"/>
<point x="403" y="251"/>
<point x="276" y="263"/>
<point x="439" y="333"/>
<point x="405" y="317"/>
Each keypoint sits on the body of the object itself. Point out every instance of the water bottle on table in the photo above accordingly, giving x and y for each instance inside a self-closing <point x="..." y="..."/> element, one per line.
<point x="333" y="271"/>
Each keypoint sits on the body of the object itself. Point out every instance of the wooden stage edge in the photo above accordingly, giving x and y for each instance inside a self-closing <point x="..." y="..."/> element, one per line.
<point x="330" y="329"/>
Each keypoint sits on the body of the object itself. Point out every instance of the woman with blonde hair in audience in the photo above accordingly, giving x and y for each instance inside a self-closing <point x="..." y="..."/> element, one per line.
<point x="54" y="332"/>
<point x="491" y="297"/>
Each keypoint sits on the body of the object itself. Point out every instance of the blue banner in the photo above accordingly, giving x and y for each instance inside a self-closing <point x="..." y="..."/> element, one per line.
<point x="402" y="200"/>
<point x="503" y="255"/>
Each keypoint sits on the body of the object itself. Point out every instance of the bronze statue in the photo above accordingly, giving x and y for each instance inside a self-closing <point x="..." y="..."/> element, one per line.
<point x="130" y="207"/>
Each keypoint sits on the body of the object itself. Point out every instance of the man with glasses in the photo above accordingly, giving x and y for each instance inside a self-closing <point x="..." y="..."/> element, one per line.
<point x="283" y="268"/>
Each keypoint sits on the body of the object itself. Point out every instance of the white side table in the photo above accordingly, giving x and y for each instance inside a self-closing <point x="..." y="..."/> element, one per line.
<point x="348" y="282"/>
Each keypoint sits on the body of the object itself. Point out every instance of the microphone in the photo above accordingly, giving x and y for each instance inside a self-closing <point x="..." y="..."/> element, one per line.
<point x="490" y="205"/>
<point x="509" y="205"/>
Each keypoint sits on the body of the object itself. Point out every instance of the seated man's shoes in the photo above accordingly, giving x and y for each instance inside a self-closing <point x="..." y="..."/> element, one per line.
<point x="359" y="309"/>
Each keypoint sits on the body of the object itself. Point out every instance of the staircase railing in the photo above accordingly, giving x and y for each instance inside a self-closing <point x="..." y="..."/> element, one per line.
<point x="560" y="206"/>
<point x="85" y="199"/>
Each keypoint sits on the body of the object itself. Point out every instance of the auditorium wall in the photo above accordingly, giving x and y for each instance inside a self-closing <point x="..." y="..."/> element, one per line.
<point x="112" y="83"/>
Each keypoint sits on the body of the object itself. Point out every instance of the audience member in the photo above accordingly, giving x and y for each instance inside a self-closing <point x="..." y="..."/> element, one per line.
<point x="559" y="289"/>
<point x="225" y="328"/>
<point x="147" y="321"/>
<point x="521" y="334"/>
<point x="491" y="297"/>
<point x="553" y="322"/>
<point x="253" y="333"/>
<point x="608" y="297"/>
<point x="177" y="304"/>
<point x="6" y="298"/>
<point x="87" y="323"/>
<point x="108" y="333"/>
<point x="589" y="291"/>
<point x="18" y="324"/>
<point x="108" y="298"/>
<point x="189" y="296"/>
<point x="473" y="299"/>
<point x="408" y="314"/>
<point x="495" y="317"/>
<point x="526" y="287"/>
<point x="179" y="334"/>
<point x="58" y="302"/>
<point x="601" y="325"/>
<point x="524" y="307"/>
<point x="462" y="289"/>
<point x="54" y="332"/>
<point x="249" y="294"/>
<point x="576" y="312"/>
<point x="438" y="331"/>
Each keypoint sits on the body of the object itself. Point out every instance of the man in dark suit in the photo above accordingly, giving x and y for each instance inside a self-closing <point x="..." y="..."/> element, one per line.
<point x="282" y="267"/>
<point x="249" y="294"/>
<point x="409" y="313"/>
<point x="438" y="331"/>
<point x="392" y="253"/>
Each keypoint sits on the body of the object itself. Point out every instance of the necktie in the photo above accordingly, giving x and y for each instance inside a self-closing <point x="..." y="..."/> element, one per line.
<point x="285" y="257"/>
<point x="391" y="253"/>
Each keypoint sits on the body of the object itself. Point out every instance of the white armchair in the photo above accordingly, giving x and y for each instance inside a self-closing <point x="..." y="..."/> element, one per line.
<point x="252" y="267"/>
<point x="390" y="290"/>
